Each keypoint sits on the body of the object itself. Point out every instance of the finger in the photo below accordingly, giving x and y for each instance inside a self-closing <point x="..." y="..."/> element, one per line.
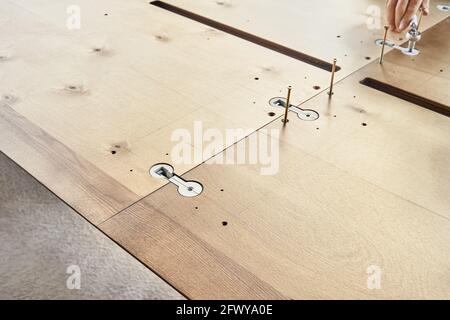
<point x="426" y="7"/>
<point x="410" y="12"/>
<point x="400" y="11"/>
<point x="390" y="7"/>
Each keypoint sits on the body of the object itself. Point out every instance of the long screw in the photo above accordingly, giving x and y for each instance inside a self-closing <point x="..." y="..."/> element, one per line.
<point x="288" y="103"/>
<point x="386" y="28"/>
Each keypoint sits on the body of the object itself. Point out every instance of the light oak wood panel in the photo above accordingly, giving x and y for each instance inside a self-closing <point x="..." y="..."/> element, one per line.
<point x="395" y="144"/>
<point x="153" y="70"/>
<point x="426" y="74"/>
<point x="327" y="29"/>
<point x="366" y="184"/>
<point x="141" y="72"/>
<point x="403" y="148"/>
<point x="191" y="264"/>
<point x="132" y="83"/>
<point x="311" y="231"/>
<point x="89" y="190"/>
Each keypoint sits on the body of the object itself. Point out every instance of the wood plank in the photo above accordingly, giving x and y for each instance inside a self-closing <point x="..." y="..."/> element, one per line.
<point x="114" y="90"/>
<point x="366" y="184"/>
<point x="134" y="91"/>
<point x="403" y="148"/>
<point x="89" y="111"/>
<point x="168" y="243"/>
<point x="425" y="74"/>
<point x="349" y="33"/>
<point x="90" y="191"/>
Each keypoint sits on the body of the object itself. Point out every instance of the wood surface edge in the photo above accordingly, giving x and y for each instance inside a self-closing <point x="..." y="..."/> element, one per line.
<point x="232" y="281"/>
<point x="45" y="158"/>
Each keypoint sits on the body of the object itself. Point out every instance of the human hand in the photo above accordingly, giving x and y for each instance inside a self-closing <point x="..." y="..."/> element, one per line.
<point x="401" y="12"/>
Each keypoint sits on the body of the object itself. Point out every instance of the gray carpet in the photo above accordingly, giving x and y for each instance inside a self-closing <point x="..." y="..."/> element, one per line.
<point x="41" y="237"/>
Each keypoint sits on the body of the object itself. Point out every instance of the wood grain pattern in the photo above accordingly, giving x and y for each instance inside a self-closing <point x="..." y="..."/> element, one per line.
<point x="310" y="232"/>
<point x="132" y="86"/>
<point x="349" y="33"/>
<point x="394" y="144"/>
<point x="200" y="270"/>
<point x="153" y="72"/>
<point x="88" y="111"/>
<point x="426" y="74"/>
<point x="87" y="189"/>
<point x="402" y="148"/>
<point x="367" y="184"/>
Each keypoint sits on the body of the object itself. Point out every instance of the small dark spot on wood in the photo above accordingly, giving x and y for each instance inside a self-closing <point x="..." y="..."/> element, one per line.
<point x="364" y="124"/>
<point x="221" y="190"/>
<point x="224" y="223"/>
<point x="368" y="58"/>
<point x="162" y="37"/>
<point x="196" y="208"/>
<point x="256" y="78"/>
<point x="316" y="87"/>
<point x="223" y="3"/>
<point x="113" y="152"/>
<point x="271" y="114"/>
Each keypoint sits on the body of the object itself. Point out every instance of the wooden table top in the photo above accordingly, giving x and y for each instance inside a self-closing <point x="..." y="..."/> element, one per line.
<point x="89" y="111"/>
